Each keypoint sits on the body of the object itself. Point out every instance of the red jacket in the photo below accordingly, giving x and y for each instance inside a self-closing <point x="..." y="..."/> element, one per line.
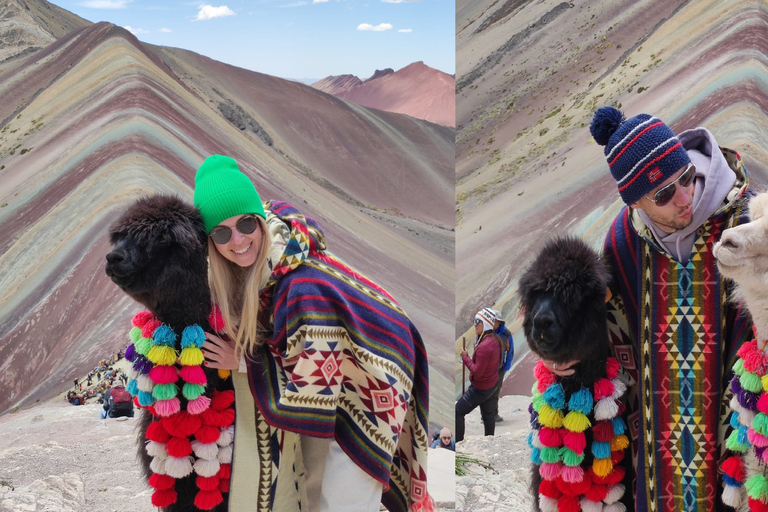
<point x="484" y="365"/>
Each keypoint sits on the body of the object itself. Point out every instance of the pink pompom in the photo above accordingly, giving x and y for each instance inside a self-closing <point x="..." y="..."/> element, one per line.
<point x="149" y="328"/>
<point x="764" y="456"/>
<point x="550" y="437"/>
<point x="746" y="348"/>
<point x="757" y="439"/>
<point x="612" y="368"/>
<point x="163" y="375"/>
<point x="755" y="362"/>
<point x="603" y="388"/>
<point x="193" y="375"/>
<point x="141" y="318"/>
<point x="572" y="474"/>
<point x="762" y="403"/>
<point x="198" y="405"/>
<point x="167" y="408"/>
<point x="551" y="470"/>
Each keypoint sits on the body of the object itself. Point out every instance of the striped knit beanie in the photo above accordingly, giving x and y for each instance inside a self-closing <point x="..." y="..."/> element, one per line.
<point x="642" y="151"/>
<point x="487" y="317"/>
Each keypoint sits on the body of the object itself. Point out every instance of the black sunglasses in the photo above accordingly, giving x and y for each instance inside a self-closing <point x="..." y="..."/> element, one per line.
<point x="246" y="225"/>
<point x="665" y="194"/>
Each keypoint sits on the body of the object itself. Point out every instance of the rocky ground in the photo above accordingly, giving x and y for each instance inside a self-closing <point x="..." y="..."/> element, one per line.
<point x="504" y="487"/>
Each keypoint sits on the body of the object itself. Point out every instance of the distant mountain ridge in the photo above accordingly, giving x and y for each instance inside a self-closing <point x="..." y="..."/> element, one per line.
<point x="417" y="90"/>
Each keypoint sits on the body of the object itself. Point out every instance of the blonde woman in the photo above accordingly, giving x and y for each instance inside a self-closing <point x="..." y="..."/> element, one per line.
<point x="329" y="357"/>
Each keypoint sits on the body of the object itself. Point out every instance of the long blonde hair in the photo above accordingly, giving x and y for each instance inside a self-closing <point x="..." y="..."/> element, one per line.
<point x="236" y="291"/>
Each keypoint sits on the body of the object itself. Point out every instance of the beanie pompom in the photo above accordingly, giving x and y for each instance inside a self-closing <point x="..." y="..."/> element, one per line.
<point x="604" y="123"/>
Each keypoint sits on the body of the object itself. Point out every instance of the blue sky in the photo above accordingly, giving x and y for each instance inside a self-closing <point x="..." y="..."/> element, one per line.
<point x="292" y="38"/>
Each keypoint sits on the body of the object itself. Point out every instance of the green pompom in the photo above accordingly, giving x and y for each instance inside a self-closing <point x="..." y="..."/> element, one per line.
<point x="570" y="458"/>
<point x="760" y="423"/>
<point x="142" y="345"/>
<point x="538" y="401"/>
<point x="550" y="454"/>
<point x="733" y="444"/>
<point x="164" y="391"/>
<point x="135" y="334"/>
<point x="738" y="368"/>
<point x="192" y="391"/>
<point x="751" y="382"/>
<point x="757" y="487"/>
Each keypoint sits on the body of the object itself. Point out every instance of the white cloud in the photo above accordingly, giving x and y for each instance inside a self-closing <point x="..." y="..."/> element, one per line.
<point x="378" y="28"/>
<point x="208" y="12"/>
<point x="406" y="30"/>
<point x="166" y="30"/>
<point x="319" y="1"/>
<point x="106" y="4"/>
<point x="135" y="31"/>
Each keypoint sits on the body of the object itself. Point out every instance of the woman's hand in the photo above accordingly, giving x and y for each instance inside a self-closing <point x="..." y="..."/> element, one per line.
<point x="560" y="369"/>
<point x="219" y="354"/>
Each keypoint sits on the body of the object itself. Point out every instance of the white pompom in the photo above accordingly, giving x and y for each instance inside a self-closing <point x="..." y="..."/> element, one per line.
<point x="207" y="468"/>
<point x="178" y="467"/>
<point x="619" y="388"/>
<point x="535" y="441"/>
<point x="132" y="374"/>
<point x="615" y="507"/>
<point x="225" y="454"/>
<point x="157" y="465"/>
<point x="547" y="504"/>
<point x="207" y="451"/>
<point x="144" y="383"/>
<point x="606" y="409"/>
<point x="588" y="505"/>
<point x="614" y="494"/>
<point x="732" y="496"/>
<point x="227" y="436"/>
<point x="155" y="449"/>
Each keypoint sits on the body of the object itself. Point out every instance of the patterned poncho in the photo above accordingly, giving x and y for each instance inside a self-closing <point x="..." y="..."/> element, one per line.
<point x="342" y="361"/>
<point x="676" y="336"/>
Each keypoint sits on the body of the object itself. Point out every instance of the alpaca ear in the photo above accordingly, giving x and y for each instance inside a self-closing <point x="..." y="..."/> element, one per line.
<point x="186" y="236"/>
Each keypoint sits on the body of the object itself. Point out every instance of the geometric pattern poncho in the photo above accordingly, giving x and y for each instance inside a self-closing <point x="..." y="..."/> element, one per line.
<point x="676" y="334"/>
<point x="342" y="361"/>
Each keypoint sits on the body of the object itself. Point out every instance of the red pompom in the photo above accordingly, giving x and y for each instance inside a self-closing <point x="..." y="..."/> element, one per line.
<point x="597" y="492"/>
<point x="575" y="488"/>
<point x="161" y="482"/>
<point x="549" y="489"/>
<point x="149" y="328"/>
<point x="215" y="319"/>
<point x="157" y="433"/>
<point x="733" y="467"/>
<point x="193" y="375"/>
<point x="141" y="318"/>
<point x="136" y="402"/>
<point x="222" y="399"/>
<point x="206" y="500"/>
<point x="163" y="374"/>
<point x="757" y="505"/>
<point x="603" y="431"/>
<point x="207" y="483"/>
<point x="225" y="471"/>
<point x="179" y="447"/>
<point x="611" y="368"/>
<point x="182" y="424"/>
<point x="150" y="409"/>
<point x="218" y="419"/>
<point x="550" y="437"/>
<point x="224" y="485"/>
<point x="612" y="478"/>
<point x="207" y="434"/>
<point x="603" y="388"/>
<point x="575" y="441"/>
<point x="568" y="504"/>
<point x="617" y="456"/>
<point x="164" y="498"/>
<point x="622" y="407"/>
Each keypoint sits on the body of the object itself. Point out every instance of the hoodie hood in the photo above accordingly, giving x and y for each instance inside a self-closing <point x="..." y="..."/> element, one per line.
<point x="715" y="181"/>
<point x="293" y="237"/>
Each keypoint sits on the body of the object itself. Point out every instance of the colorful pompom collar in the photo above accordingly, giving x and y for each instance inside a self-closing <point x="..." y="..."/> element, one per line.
<point x="750" y="423"/>
<point x="559" y="443"/>
<point x="181" y="439"/>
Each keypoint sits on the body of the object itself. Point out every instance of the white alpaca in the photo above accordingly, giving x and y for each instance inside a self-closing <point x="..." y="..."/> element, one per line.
<point x="742" y="255"/>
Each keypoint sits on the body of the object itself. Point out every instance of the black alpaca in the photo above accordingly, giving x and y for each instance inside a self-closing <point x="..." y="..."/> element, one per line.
<point x="159" y="259"/>
<point x="563" y="295"/>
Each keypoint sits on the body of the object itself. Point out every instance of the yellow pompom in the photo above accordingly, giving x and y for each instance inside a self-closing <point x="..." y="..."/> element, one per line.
<point x="619" y="443"/>
<point x="576" y="421"/>
<point x="764" y="380"/>
<point x="191" y="356"/>
<point x="550" y="417"/>
<point x="224" y="374"/>
<point x="602" y="467"/>
<point x="162" y="355"/>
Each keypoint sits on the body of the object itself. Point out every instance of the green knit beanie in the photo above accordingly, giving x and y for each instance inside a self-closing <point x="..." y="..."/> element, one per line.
<point x="222" y="191"/>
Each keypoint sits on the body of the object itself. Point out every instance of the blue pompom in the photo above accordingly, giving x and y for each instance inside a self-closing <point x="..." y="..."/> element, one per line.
<point x="146" y="399"/>
<point x="133" y="387"/>
<point x="604" y="123"/>
<point x="728" y="480"/>
<point x="529" y="439"/>
<point x="735" y="420"/>
<point x="743" y="439"/>
<point x="619" y="427"/>
<point x="536" y="456"/>
<point x="192" y="336"/>
<point x="554" y="395"/>
<point x="581" y="401"/>
<point x="164" y="335"/>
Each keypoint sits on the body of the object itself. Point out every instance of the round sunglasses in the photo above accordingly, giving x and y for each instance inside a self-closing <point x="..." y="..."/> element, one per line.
<point x="666" y="193"/>
<point x="245" y="225"/>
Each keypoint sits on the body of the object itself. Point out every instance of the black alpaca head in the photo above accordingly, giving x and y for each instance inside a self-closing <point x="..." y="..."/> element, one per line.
<point x="159" y="254"/>
<point x="563" y="296"/>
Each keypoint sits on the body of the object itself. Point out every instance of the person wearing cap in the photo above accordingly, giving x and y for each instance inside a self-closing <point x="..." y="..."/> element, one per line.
<point x="483" y="375"/>
<point x="673" y="329"/>
<point x="507" y="356"/>
<point x="444" y="440"/>
<point x="326" y="355"/>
